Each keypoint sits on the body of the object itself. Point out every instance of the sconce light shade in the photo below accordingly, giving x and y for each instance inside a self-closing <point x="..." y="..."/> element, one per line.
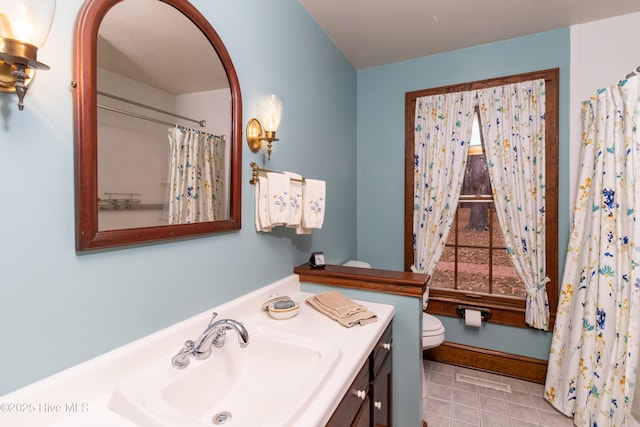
<point x="269" y="114"/>
<point x="27" y="20"/>
<point x="24" y="27"/>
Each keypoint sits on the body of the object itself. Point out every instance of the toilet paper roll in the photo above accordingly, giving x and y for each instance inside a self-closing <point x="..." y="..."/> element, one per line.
<point x="472" y="318"/>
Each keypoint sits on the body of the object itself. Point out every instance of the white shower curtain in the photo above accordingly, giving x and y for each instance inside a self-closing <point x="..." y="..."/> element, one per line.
<point x="594" y="351"/>
<point x="442" y="136"/>
<point x="194" y="177"/>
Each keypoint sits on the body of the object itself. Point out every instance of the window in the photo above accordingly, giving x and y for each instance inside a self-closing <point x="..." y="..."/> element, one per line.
<point x="475" y="259"/>
<point x="475" y="267"/>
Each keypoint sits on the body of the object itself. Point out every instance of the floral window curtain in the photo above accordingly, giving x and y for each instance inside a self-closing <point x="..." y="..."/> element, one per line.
<point x="594" y="351"/>
<point x="442" y="135"/>
<point x="513" y="127"/>
<point x="192" y="176"/>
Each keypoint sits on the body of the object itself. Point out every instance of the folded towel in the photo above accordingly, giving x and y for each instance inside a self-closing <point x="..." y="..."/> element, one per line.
<point x="341" y="309"/>
<point x="361" y="319"/>
<point x="313" y="203"/>
<point x="263" y="223"/>
<point x="279" y="187"/>
<point x="295" y="199"/>
<point x="337" y="304"/>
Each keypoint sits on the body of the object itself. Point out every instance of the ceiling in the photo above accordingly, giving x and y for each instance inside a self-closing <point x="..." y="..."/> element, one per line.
<point x="369" y="33"/>
<point x="165" y="50"/>
<point x="377" y="32"/>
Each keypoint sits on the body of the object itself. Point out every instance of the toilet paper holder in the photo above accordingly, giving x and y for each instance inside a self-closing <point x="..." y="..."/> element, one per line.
<point x="485" y="313"/>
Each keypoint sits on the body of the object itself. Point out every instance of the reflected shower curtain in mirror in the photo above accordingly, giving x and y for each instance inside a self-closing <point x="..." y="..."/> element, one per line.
<point x="594" y="351"/>
<point x="513" y="129"/>
<point x="442" y="135"/>
<point x="195" y="176"/>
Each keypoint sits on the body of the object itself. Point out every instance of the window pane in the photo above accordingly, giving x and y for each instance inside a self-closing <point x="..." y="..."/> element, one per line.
<point x="473" y="270"/>
<point x="451" y="238"/>
<point x="476" y="213"/>
<point x="442" y="278"/>
<point x="448" y="254"/>
<point x="508" y="285"/>
<point x="476" y="176"/>
<point x="505" y="279"/>
<point x="498" y="236"/>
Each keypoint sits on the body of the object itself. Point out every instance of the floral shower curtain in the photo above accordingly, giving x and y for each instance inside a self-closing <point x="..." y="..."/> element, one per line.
<point x="442" y="136"/>
<point x="194" y="176"/>
<point x="219" y="182"/>
<point x="594" y="351"/>
<point x="513" y="127"/>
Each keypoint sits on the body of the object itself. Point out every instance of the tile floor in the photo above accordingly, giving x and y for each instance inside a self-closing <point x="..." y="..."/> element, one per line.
<point x="452" y="403"/>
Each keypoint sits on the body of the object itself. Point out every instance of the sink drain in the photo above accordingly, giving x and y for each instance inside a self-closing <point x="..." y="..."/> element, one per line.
<point x="221" y="417"/>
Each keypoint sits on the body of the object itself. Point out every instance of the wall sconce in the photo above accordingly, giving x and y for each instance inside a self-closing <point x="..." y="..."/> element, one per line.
<point x="269" y="113"/>
<point x="24" y="27"/>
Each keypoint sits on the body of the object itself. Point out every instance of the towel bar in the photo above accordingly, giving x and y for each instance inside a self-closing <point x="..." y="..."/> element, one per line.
<point x="257" y="170"/>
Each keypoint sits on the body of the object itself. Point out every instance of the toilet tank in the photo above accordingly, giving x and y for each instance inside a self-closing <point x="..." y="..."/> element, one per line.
<point x="355" y="263"/>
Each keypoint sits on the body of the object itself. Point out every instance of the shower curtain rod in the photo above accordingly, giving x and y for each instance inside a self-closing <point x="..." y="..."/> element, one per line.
<point x="202" y="123"/>
<point x="633" y="73"/>
<point x="140" y="116"/>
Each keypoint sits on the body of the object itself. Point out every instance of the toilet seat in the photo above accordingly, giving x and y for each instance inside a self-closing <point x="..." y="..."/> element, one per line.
<point x="432" y="331"/>
<point x="431" y="325"/>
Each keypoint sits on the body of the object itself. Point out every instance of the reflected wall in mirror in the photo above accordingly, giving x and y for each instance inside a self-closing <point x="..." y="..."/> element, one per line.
<point x="158" y="125"/>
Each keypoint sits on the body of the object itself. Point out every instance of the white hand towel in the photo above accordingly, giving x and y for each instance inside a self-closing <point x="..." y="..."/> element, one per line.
<point x="313" y="203"/>
<point x="295" y="199"/>
<point x="262" y="205"/>
<point x="279" y="189"/>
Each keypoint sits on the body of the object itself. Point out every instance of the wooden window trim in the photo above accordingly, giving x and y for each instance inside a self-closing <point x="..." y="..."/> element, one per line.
<point x="505" y="310"/>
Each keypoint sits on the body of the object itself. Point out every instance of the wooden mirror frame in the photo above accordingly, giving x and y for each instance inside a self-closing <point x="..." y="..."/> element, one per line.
<point x="88" y="237"/>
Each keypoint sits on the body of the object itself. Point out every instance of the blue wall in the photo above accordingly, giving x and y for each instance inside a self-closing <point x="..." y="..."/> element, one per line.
<point x="58" y="308"/>
<point x="380" y="159"/>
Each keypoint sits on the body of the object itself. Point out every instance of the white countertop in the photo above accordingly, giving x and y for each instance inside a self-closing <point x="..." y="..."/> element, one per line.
<point x="79" y="396"/>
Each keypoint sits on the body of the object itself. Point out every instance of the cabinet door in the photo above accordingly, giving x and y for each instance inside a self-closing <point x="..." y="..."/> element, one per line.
<point x="381" y="394"/>
<point x="382" y="348"/>
<point x="354" y="402"/>
<point x="363" y="419"/>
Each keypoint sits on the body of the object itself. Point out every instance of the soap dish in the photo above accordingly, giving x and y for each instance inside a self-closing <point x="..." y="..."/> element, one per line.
<point x="284" y="313"/>
<point x="281" y="307"/>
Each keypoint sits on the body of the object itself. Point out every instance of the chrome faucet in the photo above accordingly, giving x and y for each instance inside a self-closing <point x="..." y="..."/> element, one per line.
<point x="214" y="335"/>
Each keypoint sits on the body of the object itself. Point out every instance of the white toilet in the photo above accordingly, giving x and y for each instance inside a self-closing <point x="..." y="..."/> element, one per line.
<point x="432" y="331"/>
<point x="432" y="327"/>
<point x="355" y="263"/>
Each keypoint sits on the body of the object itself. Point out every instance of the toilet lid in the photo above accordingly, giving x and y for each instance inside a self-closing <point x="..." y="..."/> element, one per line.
<point x="431" y="325"/>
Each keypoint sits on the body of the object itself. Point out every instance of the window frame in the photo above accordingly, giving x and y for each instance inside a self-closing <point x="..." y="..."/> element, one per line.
<point x="505" y="310"/>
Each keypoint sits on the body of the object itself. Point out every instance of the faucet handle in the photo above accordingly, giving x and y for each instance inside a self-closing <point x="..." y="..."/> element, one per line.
<point x="181" y="360"/>
<point x="213" y="316"/>
<point x="219" y="337"/>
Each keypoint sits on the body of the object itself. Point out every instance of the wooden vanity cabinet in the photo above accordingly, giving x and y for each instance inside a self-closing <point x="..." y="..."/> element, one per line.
<point x="368" y="401"/>
<point x="381" y="380"/>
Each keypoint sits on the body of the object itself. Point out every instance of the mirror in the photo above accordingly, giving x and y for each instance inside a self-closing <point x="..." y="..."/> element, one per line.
<point x="143" y="88"/>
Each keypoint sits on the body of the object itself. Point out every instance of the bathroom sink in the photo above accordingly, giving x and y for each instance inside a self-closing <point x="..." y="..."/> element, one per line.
<point x="267" y="383"/>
